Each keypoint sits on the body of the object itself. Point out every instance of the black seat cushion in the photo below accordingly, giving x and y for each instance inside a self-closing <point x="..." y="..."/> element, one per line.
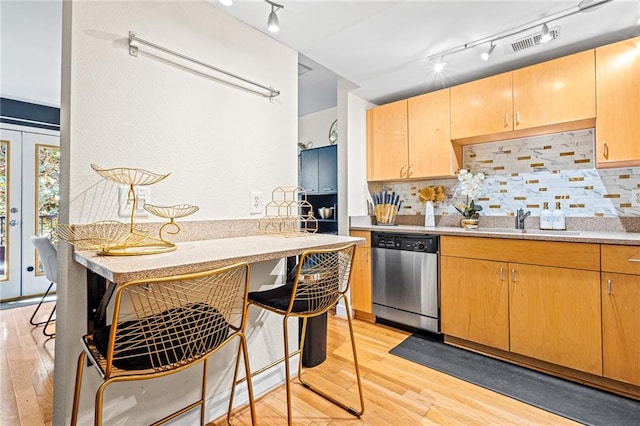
<point x="161" y="339"/>
<point x="279" y="298"/>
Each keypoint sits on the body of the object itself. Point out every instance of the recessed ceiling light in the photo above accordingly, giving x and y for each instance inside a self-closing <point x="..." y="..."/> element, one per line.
<point x="226" y="2"/>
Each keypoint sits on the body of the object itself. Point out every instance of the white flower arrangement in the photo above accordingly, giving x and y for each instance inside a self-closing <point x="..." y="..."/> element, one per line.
<point x="469" y="186"/>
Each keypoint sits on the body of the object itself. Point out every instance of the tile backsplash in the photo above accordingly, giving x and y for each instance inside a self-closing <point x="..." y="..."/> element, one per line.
<point x="527" y="172"/>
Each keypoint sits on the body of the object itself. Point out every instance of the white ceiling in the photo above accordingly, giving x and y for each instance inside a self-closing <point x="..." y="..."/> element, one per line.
<point x="382" y="46"/>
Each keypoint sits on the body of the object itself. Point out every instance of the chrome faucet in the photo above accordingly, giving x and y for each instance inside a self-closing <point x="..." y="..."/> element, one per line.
<point x="521" y="215"/>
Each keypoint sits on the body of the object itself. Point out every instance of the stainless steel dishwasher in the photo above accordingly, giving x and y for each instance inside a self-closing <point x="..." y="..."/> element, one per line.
<point x="405" y="279"/>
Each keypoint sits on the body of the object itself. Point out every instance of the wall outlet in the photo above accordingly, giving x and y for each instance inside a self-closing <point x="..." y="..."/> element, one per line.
<point x="125" y="204"/>
<point x="257" y="202"/>
<point x="635" y="198"/>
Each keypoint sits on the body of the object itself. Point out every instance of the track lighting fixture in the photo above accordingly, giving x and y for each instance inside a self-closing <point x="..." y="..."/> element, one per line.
<point x="273" y="24"/>
<point x="487" y="53"/>
<point x="545" y="34"/>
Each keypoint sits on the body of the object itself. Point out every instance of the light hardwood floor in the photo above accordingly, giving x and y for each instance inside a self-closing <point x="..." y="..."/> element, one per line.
<point x="397" y="392"/>
<point x="26" y="368"/>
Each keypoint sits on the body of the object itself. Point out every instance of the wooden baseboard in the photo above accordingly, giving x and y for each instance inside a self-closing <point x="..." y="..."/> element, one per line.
<point x="364" y="316"/>
<point x="609" y="385"/>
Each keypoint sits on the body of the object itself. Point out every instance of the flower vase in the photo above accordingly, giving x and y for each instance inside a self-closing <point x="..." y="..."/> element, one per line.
<point x="429" y="215"/>
<point x="469" y="223"/>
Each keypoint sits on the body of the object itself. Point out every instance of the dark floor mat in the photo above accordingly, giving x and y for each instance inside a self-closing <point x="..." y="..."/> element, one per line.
<point x="564" y="398"/>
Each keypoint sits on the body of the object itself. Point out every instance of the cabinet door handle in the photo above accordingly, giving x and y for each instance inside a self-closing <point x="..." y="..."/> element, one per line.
<point x="605" y="151"/>
<point x="634" y="259"/>
<point x="609" y="286"/>
<point x="501" y="273"/>
<point x="410" y="170"/>
<point x="513" y="275"/>
<point x="328" y="189"/>
<point x="402" y="172"/>
<point x="517" y="118"/>
<point x="506" y="120"/>
<point x="366" y="257"/>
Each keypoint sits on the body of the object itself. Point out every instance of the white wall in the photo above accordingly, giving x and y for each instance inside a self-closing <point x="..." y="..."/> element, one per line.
<point x="315" y="127"/>
<point x="358" y="192"/>
<point x="218" y="142"/>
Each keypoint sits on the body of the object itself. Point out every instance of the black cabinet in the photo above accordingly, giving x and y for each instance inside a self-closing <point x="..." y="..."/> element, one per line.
<point x="318" y="175"/>
<point x="319" y="170"/>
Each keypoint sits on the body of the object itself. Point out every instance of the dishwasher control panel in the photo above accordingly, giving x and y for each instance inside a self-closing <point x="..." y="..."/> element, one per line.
<point x="406" y="242"/>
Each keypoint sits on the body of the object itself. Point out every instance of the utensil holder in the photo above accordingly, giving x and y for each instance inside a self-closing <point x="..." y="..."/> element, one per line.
<point x="386" y="216"/>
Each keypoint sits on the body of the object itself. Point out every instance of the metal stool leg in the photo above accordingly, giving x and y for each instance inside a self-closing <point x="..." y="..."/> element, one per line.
<point x="38" y="308"/>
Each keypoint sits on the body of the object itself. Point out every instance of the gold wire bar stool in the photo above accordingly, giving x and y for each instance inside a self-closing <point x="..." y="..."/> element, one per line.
<point x="322" y="279"/>
<point x="169" y="324"/>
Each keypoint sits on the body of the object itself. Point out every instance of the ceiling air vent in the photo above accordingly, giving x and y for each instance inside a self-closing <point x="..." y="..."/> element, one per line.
<point x="533" y="40"/>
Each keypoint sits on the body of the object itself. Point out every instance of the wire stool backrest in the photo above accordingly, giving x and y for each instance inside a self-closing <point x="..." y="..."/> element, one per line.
<point x="323" y="276"/>
<point x="167" y="323"/>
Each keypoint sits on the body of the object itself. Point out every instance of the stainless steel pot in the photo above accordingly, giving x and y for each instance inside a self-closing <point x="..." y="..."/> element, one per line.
<point x="325" y="212"/>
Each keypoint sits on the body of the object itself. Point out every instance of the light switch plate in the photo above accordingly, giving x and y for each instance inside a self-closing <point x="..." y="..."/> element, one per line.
<point x="125" y="205"/>
<point x="635" y="197"/>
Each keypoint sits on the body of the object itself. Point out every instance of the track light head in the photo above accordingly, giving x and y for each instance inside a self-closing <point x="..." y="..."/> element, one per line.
<point x="273" y="23"/>
<point x="545" y="34"/>
<point x="487" y="53"/>
<point x="439" y="65"/>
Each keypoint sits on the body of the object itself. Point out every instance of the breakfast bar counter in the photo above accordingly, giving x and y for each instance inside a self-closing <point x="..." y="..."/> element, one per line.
<point x="195" y="256"/>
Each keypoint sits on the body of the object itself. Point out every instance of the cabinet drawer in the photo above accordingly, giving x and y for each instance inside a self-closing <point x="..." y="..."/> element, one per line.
<point x="546" y="253"/>
<point x="362" y="234"/>
<point x="622" y="259"/>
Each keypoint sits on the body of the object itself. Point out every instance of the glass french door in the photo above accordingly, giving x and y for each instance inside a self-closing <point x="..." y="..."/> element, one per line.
<point x="29" y="185"/>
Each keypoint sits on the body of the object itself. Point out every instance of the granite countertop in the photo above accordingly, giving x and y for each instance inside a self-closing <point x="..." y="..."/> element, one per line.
<point x="601" y="237"/>
<point x="195" y="256"/>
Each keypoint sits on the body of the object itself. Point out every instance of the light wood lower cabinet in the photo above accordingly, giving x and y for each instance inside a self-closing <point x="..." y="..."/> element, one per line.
<point x="361" y="274"/>
<point x="621" y="327"/>
<point x="547" y="309"/>
<point x="554" y="315"/>
<point x="475" y="301"/>
<point x="621" y="312"/>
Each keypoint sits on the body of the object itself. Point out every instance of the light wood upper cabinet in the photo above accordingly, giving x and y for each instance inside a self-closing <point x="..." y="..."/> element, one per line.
<point x="431" y="153"/>
<point x="551" y="93"/>
<point x="482" y="107"/>
<point x="557" y="91"/>
<point x="387" y="141"/>
<point x="618" y="104"/>
<point x="555" y="316"/>
<point x="475" y="301"/>
<point x="361" y="274"/>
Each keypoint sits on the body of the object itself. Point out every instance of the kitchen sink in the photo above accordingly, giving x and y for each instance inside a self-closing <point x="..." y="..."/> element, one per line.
<point x="526" y="231"/>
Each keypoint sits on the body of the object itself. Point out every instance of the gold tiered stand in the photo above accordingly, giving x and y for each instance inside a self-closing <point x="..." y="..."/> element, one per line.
<point x="288" y="213"/>
<point x="115" y="238"/>
<point x="171" y="213"/>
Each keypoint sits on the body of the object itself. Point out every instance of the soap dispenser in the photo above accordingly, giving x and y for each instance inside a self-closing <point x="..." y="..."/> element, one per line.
<point x="558" y="218"/>
<point x="546" y="219"/>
